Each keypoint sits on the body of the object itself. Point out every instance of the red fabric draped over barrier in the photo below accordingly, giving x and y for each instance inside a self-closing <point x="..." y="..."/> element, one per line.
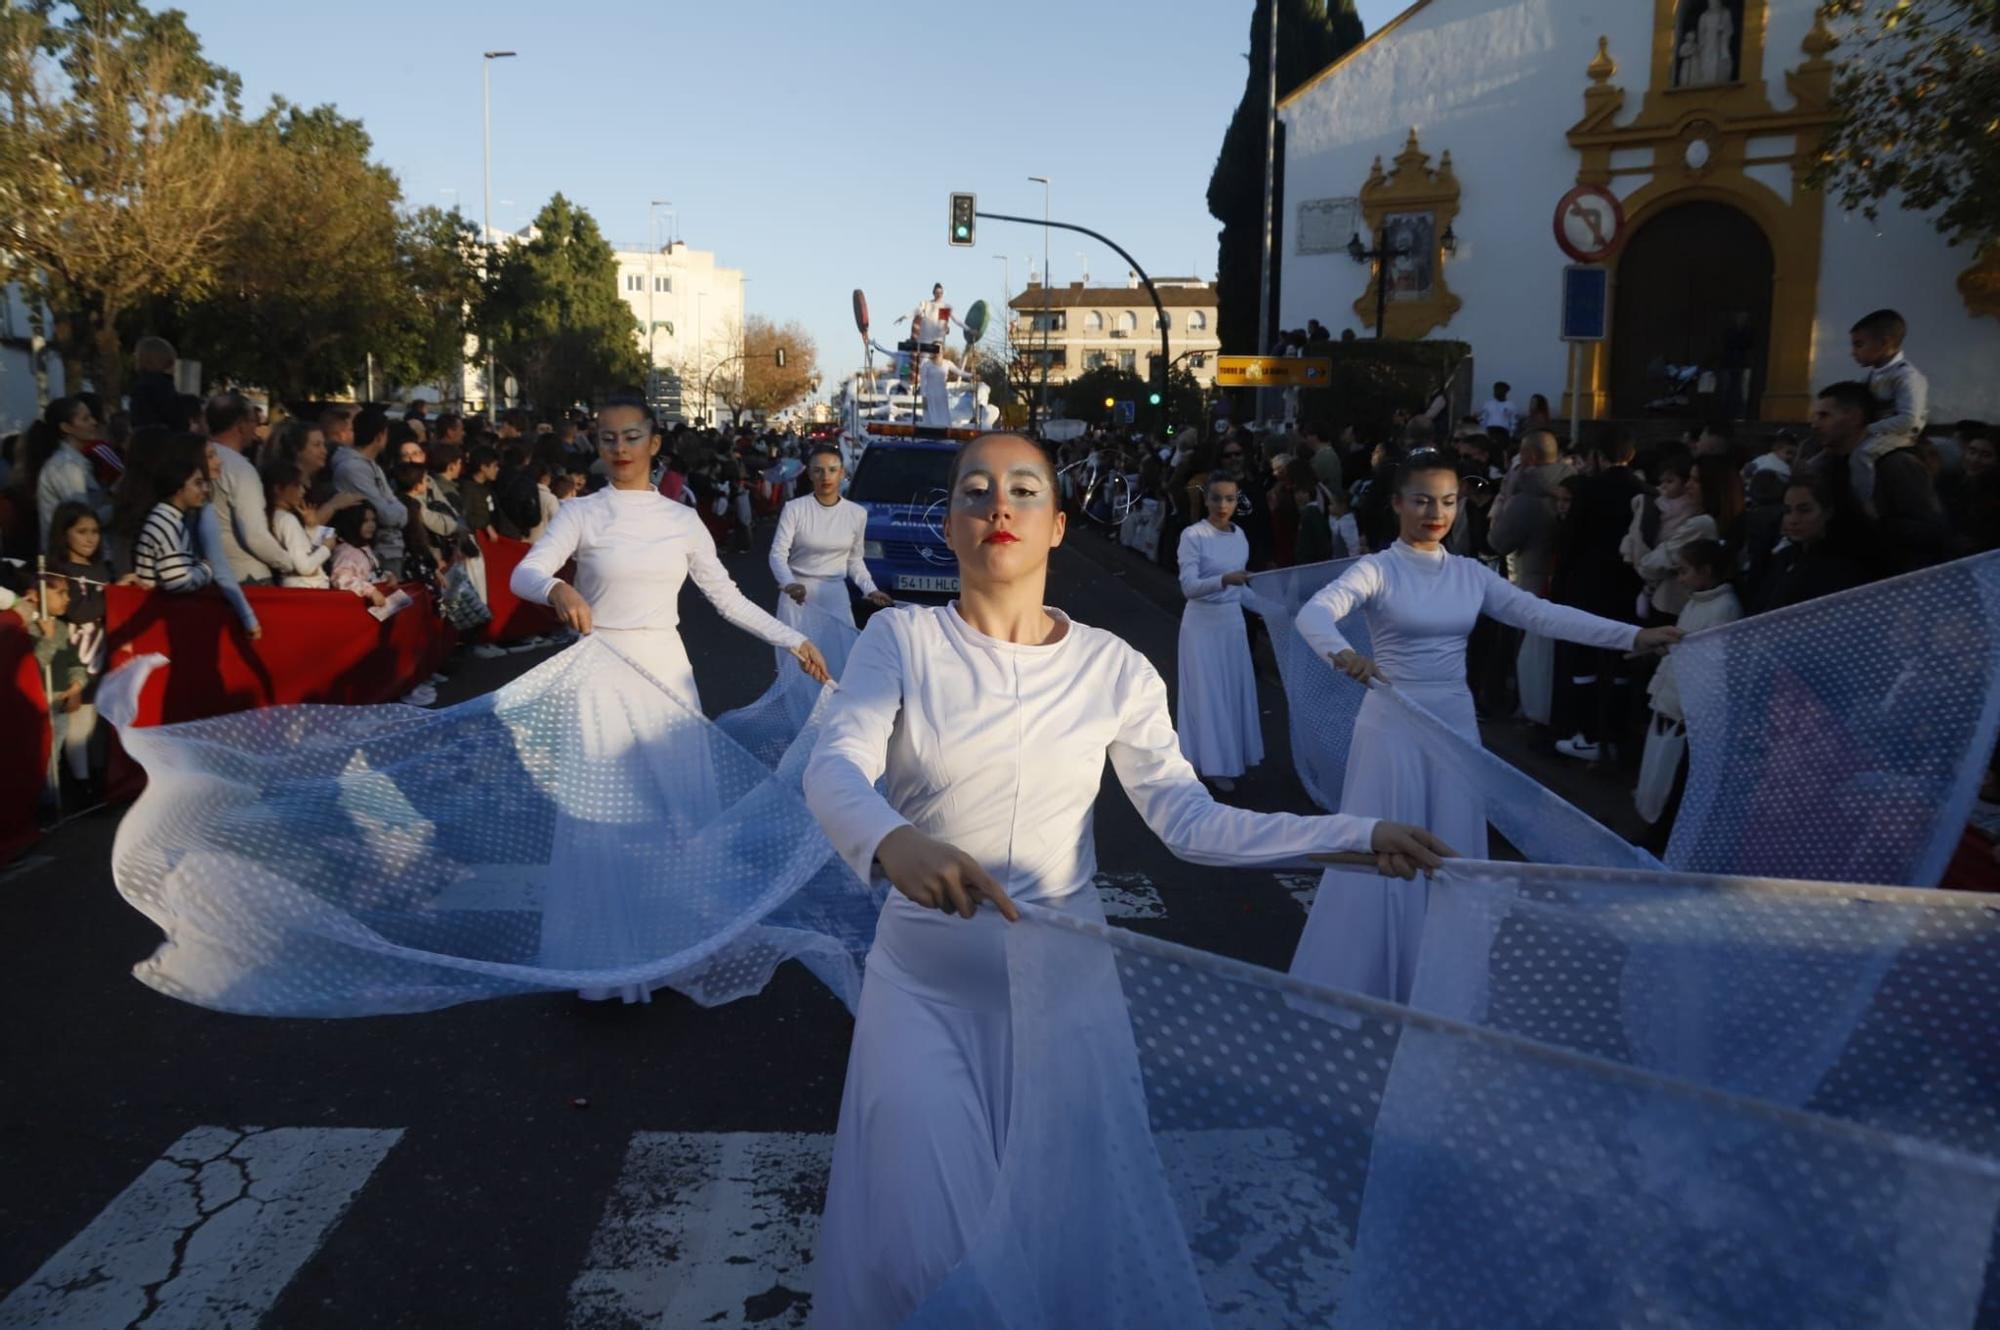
<point x="25" y="738"/>
<point x="514" y="619"/>
<point x="318" y="646"/>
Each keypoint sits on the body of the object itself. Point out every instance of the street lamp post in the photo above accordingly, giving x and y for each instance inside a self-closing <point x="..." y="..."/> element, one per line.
<point x="652" y="286"/>
<point x="486" y="217"/>
<point x="1270" y="186"/>
<point x="1043" y="181"/>
<point x="1378" y="256"/>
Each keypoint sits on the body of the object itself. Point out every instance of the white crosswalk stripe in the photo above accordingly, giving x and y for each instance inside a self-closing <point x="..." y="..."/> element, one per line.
<point x="1130" y="896"/>
<point x="706" y="1229"/>
<point x="208" y="1236"/>
<point x="1301" y="887"/>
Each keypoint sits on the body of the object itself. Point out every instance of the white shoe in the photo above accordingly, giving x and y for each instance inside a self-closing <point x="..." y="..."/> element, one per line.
<point x="1223" y="784"/>
<point x="422" y="695"/>
<point x="488" y="651"/>
<point x="1579" y="748"/>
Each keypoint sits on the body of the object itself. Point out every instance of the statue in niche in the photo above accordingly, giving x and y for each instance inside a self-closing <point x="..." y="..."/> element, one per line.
<point x="1706" y="54"/>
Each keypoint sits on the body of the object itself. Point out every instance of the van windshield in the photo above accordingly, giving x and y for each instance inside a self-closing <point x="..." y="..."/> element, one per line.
<point x="888" y="474"/>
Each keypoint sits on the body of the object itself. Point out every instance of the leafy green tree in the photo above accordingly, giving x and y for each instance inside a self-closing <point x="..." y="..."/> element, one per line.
<point x="122" y="155"/>
<point x="438" y="255"/>
<point x="314" y="280"/>
<point x="1312" y="34"/>
<point x="1918" y="94"/>
<point x="553" y="313"/>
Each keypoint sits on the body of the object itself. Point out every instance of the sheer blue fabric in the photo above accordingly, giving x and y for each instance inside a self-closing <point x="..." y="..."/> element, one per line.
<point x="1258" y="1152"/>
<point x="1843" y="739"/>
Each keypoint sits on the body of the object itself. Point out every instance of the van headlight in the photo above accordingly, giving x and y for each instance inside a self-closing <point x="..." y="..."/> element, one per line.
<point x="871" y="549"/>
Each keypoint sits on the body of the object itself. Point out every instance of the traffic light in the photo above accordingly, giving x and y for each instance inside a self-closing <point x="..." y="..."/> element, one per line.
<point x="1154" y="399"/>
<point x="779" y="357"/>
<point x="1110" y="402"/>
<point x="963" y="211"/>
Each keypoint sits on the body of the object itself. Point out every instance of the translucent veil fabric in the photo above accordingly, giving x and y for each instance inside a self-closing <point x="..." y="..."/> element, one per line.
<point x="1843" y="739"/>
<point x="581" y="828"/>
<point x="1257" y="1152"/>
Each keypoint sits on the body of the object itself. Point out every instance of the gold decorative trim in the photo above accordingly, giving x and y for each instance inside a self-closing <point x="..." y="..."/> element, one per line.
<point x="1413" y="187"/>
<point x="1979" y="285"/>
<point x="1721" y="119"/>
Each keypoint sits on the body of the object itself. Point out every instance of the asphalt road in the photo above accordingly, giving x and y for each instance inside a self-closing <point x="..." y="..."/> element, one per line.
<point x="535" y="1161"/>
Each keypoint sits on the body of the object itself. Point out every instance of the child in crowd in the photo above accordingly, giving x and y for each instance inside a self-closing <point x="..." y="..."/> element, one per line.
<point x="42" y="604"/>
<point x="1711" y="602"/>
<point x="285" y="497"/>
<point x="76" y="551"/>
<point x="1902" y="394"/>
<point x="354" y="566"/>
<point x="425" y="555"/>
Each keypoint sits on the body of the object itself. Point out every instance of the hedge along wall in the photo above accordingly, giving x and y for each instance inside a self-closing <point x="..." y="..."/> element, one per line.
<point x="1371" y="380"/>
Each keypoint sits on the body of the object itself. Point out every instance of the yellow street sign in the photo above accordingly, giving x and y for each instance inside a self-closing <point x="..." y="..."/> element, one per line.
<point x="1273" y="371"/>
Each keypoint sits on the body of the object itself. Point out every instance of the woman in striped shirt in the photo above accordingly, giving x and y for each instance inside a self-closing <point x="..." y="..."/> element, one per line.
<point x="164" y="555"/>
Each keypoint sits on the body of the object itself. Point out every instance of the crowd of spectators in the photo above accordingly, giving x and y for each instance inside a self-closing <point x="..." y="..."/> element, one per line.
<point x="181" y="493"/>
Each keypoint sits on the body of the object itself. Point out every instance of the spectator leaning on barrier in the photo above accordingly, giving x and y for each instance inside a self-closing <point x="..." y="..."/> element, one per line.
<point x="254" y="554"/>
<point x="354" y="565"/>
<point x="165" y="555"/>
<point x="475" y="489"/>
<point x="358" y="470"/>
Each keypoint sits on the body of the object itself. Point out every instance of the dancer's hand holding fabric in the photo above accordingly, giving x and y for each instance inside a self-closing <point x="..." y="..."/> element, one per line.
<point x="1238" y="578"/>
<point x="881" y="600"/>
<point x="1356" y="666"/>
<point x="939" y="876"/>
<point x="797" y="591"/>
<point x="1652" y="641"/>
<point x="572" y="610"/>
<point x="1404" y="851"/>
<point x="810" y="661"/>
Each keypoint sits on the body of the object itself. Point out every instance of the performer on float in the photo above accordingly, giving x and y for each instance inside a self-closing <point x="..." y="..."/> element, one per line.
<point x="990" y="720"/>
<point x="633" y="548"/>
<point x="1364" y="935"/>
<point x="818" y="549"/>
<point x="1218" y="724"/>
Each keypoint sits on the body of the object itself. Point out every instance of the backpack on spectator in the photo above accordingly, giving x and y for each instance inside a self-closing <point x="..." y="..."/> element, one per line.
<point x="518" y="500"/>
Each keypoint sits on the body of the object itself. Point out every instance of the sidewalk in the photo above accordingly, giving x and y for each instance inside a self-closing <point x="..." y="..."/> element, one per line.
<point x="1604" y="793"/>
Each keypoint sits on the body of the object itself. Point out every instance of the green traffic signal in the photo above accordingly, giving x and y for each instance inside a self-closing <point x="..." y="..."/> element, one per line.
<point x="1154" y="399"/>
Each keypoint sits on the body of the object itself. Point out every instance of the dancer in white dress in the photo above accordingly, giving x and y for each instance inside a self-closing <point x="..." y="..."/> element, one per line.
<point x="634" y="548"/>
<point x="817" y="550"/>
<point x="1364" y="935"/>
<point x="1217" y="693"/>
<point x="990" y="720"/>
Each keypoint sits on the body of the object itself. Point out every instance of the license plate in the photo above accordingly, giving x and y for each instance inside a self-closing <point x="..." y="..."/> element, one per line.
<point x="912" y="582"/>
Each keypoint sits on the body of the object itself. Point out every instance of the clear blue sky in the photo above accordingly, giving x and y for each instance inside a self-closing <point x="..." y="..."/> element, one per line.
<point x="811" y="143"/>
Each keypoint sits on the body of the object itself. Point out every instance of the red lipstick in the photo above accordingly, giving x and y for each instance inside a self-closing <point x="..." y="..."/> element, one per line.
<point x="1000" y="538"/>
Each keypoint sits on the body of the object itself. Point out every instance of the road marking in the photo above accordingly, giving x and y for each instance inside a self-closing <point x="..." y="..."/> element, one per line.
<point x="208" y="1236"/>
<point x="1301" y="887"/>
<point x="706" y="1229"/>
<point x="1130" y="896"/>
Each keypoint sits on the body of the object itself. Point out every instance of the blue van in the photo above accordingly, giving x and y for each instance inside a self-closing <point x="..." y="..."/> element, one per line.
<point x="903" y="482"/>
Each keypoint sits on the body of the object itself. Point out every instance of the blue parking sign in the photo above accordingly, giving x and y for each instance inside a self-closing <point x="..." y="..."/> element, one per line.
<point x="1586" y="303"/>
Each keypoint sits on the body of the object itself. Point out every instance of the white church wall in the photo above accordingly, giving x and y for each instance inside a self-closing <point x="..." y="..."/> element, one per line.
<point x="1503" y="117"/>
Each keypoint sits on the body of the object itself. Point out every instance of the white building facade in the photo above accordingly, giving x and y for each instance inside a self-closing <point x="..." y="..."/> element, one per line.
<point x="1454" y="130"/>
<point x="1092" y="327"/>
<point x="690" y="315"/>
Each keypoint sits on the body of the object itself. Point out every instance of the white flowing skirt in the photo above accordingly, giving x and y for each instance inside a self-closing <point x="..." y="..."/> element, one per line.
<point x="923" y="1115"/>
<point x="1217" y="692"/>
<point x="1366" y="931"/>
<point x="828" y="596"/>
<point x="591" y="909"/>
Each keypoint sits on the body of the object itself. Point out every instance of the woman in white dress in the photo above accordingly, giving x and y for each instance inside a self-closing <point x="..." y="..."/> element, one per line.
<point x="1364" y="934"/>
<point x="1218" y="686"/>
<point x="817" y="550"/>
<point x="989" y="721"/>
<point x="633" y="548"/>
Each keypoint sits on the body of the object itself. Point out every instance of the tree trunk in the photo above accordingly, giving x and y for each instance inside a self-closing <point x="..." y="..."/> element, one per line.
<point x="107" y="361"/>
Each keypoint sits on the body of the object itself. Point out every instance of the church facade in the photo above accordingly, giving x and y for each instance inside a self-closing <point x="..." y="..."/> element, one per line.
<point x="1449" y="137"/>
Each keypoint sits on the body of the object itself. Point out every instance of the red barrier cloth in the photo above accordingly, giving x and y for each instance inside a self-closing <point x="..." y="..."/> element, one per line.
<point x="514" y="619"/>
<point x="25" y="738"/>
<point x="318" y="646"/>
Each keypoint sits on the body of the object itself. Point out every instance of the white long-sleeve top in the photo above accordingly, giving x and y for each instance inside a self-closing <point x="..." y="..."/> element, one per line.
<point x="1420" y="606"/>
<point x="253" y="552"/>
<point x="999" y="749"/>
<point x="633" y="550"/>
<point x="1205" y="554"/>
<point x="1705" y="609"/>
<point x="308" y="557"/>
<point x="821" y="541"/>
